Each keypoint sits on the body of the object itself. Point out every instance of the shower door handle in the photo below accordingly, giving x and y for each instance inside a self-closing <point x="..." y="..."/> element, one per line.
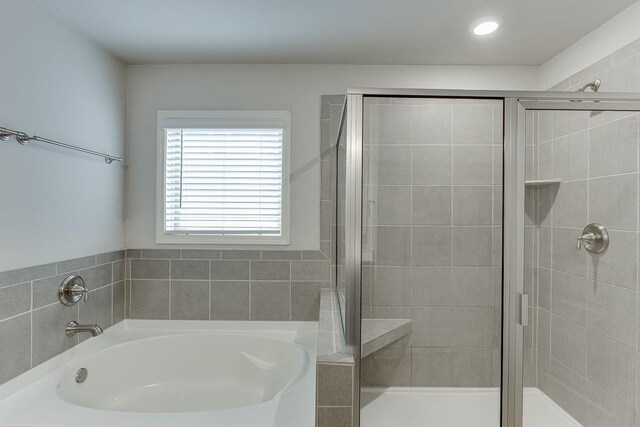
<point x="523" y="305"/>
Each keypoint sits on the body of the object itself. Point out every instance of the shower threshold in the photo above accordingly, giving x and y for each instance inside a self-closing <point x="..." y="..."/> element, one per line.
<point x="454" y="407"/>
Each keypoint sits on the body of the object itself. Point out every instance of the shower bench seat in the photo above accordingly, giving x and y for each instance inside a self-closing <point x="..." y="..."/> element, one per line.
<point x="379" y="333"/>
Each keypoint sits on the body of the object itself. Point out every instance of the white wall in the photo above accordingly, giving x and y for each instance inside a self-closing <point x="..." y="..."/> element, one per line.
<point x="614" y="34"/>
<point x="279" y="87"/>
<point x="56" y="204"/>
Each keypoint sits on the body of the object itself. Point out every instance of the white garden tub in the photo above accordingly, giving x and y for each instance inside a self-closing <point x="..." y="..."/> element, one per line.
<point x="174" y="373"/>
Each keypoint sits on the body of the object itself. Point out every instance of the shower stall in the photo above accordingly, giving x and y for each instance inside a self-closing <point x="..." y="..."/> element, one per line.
<point x="483" y="247"/>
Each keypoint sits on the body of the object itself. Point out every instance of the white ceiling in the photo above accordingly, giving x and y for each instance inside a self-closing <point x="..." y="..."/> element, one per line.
<point x="333" y="31"/>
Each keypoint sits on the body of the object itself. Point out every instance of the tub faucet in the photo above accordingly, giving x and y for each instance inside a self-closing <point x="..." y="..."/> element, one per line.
<point x="74" y="327"/>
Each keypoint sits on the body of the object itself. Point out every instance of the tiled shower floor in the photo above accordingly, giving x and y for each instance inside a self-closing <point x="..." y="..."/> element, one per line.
<point x="453" y="407"/>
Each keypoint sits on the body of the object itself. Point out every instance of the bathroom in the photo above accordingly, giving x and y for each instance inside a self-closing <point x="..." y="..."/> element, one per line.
<point x="331" y="214"/>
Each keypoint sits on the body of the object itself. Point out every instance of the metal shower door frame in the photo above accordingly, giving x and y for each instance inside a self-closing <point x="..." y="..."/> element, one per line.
<point x="515" y="105"/>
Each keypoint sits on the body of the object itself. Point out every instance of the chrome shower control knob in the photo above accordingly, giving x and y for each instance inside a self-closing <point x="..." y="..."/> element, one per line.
<point x="72" y="289"/>
<point x="595" y="239"/>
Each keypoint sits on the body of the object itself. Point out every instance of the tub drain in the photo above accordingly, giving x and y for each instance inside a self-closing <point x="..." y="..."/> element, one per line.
<point x="81" y="375"/>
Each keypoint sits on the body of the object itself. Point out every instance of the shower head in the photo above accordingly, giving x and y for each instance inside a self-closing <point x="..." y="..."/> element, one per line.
<point x="594" y="85"/>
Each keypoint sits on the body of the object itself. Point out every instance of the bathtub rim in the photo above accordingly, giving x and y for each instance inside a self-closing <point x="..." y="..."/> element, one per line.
<point x="114" y="336"/>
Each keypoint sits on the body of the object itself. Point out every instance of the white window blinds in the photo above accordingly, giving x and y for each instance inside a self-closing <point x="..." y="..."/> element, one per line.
<point x="224" y="181"/>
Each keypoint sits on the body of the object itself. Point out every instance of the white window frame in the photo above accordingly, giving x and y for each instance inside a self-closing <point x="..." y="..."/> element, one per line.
<point x="168" y="119"/>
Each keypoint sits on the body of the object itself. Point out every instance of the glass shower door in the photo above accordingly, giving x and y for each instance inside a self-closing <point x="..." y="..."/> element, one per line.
<point x="431" y="261"/>
<point x="581" y="264"/>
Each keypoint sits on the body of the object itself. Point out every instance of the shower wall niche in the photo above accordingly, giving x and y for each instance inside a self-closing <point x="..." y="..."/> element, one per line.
<point x="432" y="243"/>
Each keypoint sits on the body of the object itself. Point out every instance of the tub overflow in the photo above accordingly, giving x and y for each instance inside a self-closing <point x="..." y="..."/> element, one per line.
<point x="81" y="375"/>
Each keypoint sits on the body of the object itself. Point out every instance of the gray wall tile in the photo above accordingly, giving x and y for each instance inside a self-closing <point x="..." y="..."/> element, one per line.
<point x="430" y="245"/>
<point x="472" y="367"/>
<point x="472" y="205"/>
<point x="591" y="70"/>
<point x="452" y="327"/>
<point x="393" y="164"/>
<point x="26" y="274"/>
<point x="431" y="124"/>
<point x="393" y="245"/>
<point x="611" y="312"/>
<point x="570" y="206"/>
<point x="472" y="165"/>
<point x="432" y="286"/>
<point x="545" y="160"/>
<point x="45" y="291"/>
<point x="118" y="271"/>
<point x="282" y="255"/>
<point x="569" y="344"/>
<point x="431" y="165"/>
<point x="149" y="299"/>
<point x="334" y="416"/>
<point x="200" y="254"/>
<point x="544" y="288"/>
<point x="566" y="122"/>
<point x="240" y="254"/>
<point x="190" y="299"/>
<point x="613" y="147"/>
<point x="431" y="367"/>
<point x="317" y="255"/>
<point x="110" y="257"/>
<point x="472" y="124"/>
<point x="229" y="270"/>
<point x="391" y="366"/>
<point x="190" y="269"/>
<point x="470" y="246"/>
<point x="392" y="286"/>
<point x="230" y="300"/>
<point x="133" y="253"/>
<point x="334" y="384"/>
<point x="605" y="410"/>
<point x="569" y="297"/>
<point x="565" y="256"/>
<point x="571" y="156"/>
<point x="160" y="253"/>
<point x="472" y="286"/>
<point x="96" y="277"/>
<point x="390" y="205"/>
<point x="430" y="205"/>
<point x="612" y="201"/>
<point x="618" y="264"/>
<point x="310" y="270"/>
<point x="271" y="270"/>
<point x="14" y="300"/>
<point x="621" y="77"/>
<point x="564" y="375"/>
<point x="16" y="358"/>
<point x="118" y="301"/>
<point x="270" y="300"/>
<point x="390" y="124"/>
<point x="49" y="338"/>
<point x="612" y="368"/>
<point x="149" y="269"/>
<point x="626" y="51"/>
<point x="75" y="264"/>
<point x="305" y="300"/>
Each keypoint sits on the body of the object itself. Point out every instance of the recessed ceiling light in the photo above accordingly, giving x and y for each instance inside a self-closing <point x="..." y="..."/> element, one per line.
<point x="485" y="26"/>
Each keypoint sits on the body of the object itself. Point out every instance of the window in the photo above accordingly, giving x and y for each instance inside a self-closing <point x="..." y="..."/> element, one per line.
<point x="223" y="177"/>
